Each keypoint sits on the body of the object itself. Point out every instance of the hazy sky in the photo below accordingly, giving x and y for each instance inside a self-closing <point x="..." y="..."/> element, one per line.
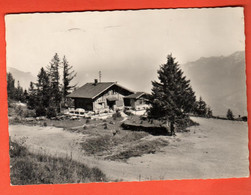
<point x="127" y="46"/>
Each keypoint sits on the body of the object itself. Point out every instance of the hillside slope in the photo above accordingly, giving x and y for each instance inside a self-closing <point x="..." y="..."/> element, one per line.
<point x="221" y="81"/>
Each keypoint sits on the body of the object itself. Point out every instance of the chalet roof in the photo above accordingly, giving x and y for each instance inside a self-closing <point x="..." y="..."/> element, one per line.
<point x="135" y="95"/>
<point x="92" y="90"/>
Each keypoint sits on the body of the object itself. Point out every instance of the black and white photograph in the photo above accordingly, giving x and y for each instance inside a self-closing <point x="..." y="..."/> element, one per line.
<point x="127" y="95"/>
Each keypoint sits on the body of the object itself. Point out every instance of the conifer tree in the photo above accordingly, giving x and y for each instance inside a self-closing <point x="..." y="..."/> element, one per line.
<point x="26" y="96"/>
<point x="53" y="73"/>
<point x="201" y="107"/>
<point x="68" y="75"/>
<point x="10" y="86"/>
<point x="32" y="96"/>
<point x="172" y="96"/>
<point x="43" y="88"/>
<point x="230" y="115"/>
<point x="19" y="94"/>
<point x="209" y="112"/>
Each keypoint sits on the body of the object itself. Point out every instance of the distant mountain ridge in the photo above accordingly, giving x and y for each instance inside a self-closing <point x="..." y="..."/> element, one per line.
<point x="24" y="78"/>
<point x="221" y="81"/>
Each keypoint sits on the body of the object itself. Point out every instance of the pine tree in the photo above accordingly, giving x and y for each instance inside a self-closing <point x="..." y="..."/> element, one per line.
<point x="19" y="92"/>
<point x="26" y="96"/>
<point x="230" y="115"/>
<point x="209" y="112"/>
<point x="201" y="108"/>
<point x="68" y="75"/>
<point x="43" y="93"/>
<point x="32" y="96"/>
<point x="53" y="73"/>
<point x="10" y="86"/>
<point x="172" y="96"/>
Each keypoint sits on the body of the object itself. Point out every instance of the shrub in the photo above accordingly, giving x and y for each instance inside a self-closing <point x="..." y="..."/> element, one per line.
<point x="29" y="113"/>
<point x="40" y="111"/>
<point x="51" y="112"/>
<point x="230" y="115"/>
<point x="19" y="110"/>
<point x="17" y="150"/>
<point x="17" y="119"/>
<point x="116" y="115"/>
<point x="111" y="122"/>
<point x="105" y="126"/>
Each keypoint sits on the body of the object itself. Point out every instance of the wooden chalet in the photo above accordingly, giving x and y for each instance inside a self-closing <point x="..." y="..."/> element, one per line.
<point x="100" y="96"/>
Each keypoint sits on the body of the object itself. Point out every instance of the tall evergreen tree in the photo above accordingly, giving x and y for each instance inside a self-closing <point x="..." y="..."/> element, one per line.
<point x="172" y="96"/>
<point x="26" y="96"/>
<point x="200" y="108"/>
<point x="43" y="88"/>
<point x="209" y="112"/>
<point x="19" y="94"/>
<point x="68" y="75"/>
<point x="230" y="115"/>
<point x="54" y="77"/>
<point x="10" y="86"/>
<point x="32" y="96"/>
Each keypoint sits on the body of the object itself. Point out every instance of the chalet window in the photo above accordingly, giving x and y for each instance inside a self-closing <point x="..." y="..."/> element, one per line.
<point x="111" y="92"/>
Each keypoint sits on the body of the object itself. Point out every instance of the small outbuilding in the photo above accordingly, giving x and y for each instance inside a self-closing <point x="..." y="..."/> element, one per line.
<point x="137" y="101"/>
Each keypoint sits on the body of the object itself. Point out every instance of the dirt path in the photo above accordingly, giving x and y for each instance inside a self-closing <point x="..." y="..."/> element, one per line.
<point x="214" y="149"/>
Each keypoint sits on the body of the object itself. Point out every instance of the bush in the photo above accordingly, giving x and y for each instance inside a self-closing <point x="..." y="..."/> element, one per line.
<point x="105" y="126"/>
<point x="116" y="115"/>
<point x="19" y="110"/>
<point x="40" y="111"/>
<point x="17" y="119"/>
<point x="182" y="124"/>
<point x="230" y="115"/>
<point x="127" y="112"/>
<point x="11" y="103"/>
<point x="29" y="113"/>
<point x="17" y="150"/>
<point x="51" y="112"/>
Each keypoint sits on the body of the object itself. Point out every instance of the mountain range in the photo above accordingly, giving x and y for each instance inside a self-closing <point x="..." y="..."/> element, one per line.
<point x="24" y="78"/>
<point x="220" y="81"/>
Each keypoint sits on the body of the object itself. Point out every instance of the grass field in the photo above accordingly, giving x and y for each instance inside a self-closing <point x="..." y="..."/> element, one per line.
<point x="29" y="168"/>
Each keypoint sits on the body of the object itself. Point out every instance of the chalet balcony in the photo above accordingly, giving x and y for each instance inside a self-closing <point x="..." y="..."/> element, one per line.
<point x="108" y="97"/>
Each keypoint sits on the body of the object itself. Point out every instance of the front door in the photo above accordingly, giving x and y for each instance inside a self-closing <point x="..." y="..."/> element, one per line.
<point x="111" y="104"/>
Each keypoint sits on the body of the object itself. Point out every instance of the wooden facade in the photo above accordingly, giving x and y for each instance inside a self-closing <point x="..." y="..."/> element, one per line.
<point x="100" y="97"/>
<point x="113" y="99"/>
<point x="136" y="101"/>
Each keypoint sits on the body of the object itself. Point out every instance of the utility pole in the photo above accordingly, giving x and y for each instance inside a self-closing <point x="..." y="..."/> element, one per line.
<point x="99" y="73"/>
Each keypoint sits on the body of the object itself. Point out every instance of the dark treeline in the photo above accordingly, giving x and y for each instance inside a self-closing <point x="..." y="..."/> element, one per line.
<point x="48" y="95"/>
<point x="172" y="96"/>
<point x="15" y="92"/>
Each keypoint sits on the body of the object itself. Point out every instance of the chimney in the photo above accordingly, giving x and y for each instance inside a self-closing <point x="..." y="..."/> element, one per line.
<point x="95" y="81"/>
